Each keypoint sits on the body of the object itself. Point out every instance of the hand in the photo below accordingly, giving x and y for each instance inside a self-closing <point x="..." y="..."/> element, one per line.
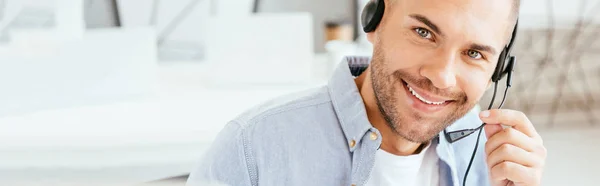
<point x="514" y="155"/>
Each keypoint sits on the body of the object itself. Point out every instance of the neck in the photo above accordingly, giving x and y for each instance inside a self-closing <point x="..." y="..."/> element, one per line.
<point x="391" y="142"/>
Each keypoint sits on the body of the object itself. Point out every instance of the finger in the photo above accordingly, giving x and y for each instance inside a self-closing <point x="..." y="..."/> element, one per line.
<point x="512" y="171"/>
<point x="509" y="136"/>
<point x="491" y="129"/>
<point x="508" y="152"/>
<point x="512" y="118"/>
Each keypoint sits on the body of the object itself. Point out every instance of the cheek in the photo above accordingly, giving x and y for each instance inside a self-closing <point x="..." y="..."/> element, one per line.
<point x="404" y="55"/>
<point x="399" y="50"/>
<point x="474" y="85"/>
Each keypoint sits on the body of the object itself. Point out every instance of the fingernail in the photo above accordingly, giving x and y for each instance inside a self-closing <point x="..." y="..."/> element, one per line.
<point x="485" y="114"/>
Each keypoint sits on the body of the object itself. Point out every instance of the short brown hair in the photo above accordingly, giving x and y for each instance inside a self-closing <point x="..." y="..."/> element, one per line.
<point x="514" y="14"/>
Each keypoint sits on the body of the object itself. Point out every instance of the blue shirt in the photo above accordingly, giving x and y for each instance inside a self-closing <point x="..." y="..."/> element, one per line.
<point x="321" y="137"/>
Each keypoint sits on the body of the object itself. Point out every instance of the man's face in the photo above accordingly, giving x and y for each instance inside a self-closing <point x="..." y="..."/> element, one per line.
<point x="433" y="61"/>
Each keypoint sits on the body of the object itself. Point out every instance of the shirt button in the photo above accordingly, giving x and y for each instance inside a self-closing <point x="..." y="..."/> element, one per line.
<point x="373" y="136"/>
<point x="352" y="144"/>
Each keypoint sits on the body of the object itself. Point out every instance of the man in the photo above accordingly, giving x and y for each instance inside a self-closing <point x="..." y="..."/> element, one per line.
<point x="380" y="121"/>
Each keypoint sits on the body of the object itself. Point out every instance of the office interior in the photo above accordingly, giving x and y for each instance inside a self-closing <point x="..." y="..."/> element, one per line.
<point x="133" y="91"/>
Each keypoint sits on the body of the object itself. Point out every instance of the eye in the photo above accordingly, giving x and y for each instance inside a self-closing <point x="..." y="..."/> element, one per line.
<point x="474" y="54"/>
<point x="424" y="33"/>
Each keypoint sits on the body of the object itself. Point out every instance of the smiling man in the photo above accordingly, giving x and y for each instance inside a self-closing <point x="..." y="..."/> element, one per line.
<point x="381" y="120"/>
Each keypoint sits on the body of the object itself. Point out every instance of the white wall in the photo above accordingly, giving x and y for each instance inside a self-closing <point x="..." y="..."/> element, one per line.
<point x="573" y="157"/>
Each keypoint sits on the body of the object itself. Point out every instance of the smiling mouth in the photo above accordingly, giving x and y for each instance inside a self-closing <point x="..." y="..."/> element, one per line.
<point x="423" y="99"/>
<point x="414" y="93"/>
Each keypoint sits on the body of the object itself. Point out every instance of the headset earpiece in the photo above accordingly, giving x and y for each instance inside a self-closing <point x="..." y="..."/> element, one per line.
<point x="502" y="68"/>
<point x="372" y="14"/>
<point x="499" y="71"/>
<point x="509" y="69"/>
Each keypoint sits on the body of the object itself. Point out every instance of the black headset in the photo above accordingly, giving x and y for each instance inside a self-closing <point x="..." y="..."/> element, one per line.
<point x="370" y="19"/>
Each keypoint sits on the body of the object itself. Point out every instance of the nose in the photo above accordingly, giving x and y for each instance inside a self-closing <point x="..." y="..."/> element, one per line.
<point x="440" y="70"/>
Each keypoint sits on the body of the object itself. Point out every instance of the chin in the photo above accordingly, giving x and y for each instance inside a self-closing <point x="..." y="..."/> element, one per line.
<point x="418" y="132"/>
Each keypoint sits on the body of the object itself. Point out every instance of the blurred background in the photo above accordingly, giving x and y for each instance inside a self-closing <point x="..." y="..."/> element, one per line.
<point x="132" y="91"/>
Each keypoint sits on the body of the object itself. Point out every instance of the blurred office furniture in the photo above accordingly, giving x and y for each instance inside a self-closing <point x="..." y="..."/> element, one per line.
<point x="2" y="9"/>
<point x="266" y="48"/>
<point x="170" y="181"/>
<point x="180" y="24"/>
<point x="64" y="65"/>
<point x="322" y="11"/>
<point x="21" y="14"/>
<point x="339" y="42"/>
<point x="130" y="141"/>
<point x="340" y="30"/>
<point x="557" y="78"/>
<point x="101" y="13"/>
<point x="98" y="108"/>
<point x="39" y="71"/>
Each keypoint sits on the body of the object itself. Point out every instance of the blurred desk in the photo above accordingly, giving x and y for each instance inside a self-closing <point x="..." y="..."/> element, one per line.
<point x="131" y="141"/>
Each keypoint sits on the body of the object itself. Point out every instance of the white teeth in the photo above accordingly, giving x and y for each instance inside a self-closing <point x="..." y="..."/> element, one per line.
<point x="413" y="92"/>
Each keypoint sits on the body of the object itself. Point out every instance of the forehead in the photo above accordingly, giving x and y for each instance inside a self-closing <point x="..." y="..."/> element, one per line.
<point x="482" y="21"/>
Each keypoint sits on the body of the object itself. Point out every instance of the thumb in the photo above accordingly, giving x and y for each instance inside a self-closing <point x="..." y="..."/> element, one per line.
<point x="491" y="129"/>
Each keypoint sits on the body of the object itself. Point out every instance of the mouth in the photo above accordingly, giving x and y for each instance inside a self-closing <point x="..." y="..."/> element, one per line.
<point x="414" y="93"/>
<point x="424" y="101"/>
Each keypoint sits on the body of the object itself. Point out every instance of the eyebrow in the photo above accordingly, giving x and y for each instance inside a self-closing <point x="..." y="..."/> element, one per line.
<point x="436" y="29"/>
<point x="484" y="48"/>
<point x="427" y="22"/>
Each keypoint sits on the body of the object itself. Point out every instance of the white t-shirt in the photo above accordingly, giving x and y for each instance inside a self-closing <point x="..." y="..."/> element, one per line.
<point x="414" y="170"/>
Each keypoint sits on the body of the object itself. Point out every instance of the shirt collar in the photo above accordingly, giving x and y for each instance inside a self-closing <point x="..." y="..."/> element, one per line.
<point x="346" y="99"/>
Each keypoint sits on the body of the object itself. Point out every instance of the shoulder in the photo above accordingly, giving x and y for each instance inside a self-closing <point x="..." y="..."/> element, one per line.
<point x="297" y="105"/>
<point x="288" y="118"/>
<point x="231" y="158"/>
